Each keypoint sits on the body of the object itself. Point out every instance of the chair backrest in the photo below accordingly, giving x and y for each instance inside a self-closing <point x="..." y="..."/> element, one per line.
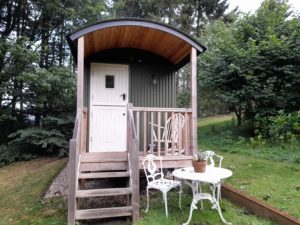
<point x="210" y="158"/>
<point x="150" y="167"/>
<point x="178" y="124"/>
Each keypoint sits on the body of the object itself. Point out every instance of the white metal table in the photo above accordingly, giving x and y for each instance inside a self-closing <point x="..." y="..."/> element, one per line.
<point x="212" y="175"/>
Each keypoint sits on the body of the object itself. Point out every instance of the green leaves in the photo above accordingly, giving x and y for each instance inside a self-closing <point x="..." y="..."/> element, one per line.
<point x="252" y="64"/>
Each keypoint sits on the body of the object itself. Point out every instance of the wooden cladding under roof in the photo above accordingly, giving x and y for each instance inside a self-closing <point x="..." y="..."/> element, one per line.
<point x="156" y="41"/>
<point x="160" y="39"/>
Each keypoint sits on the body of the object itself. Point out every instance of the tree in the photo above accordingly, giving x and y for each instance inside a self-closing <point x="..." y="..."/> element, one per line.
<point x="252" y="64"/>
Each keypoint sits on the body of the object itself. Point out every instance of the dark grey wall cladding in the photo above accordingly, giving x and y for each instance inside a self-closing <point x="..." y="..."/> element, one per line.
<point x="143" y="67"/>
<point x="144" y="93"/>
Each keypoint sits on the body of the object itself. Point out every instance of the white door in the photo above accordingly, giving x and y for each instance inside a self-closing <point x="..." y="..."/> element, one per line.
<point x="108" y="107"/>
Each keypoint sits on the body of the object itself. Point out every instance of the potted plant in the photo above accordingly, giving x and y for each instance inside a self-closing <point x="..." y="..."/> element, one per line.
<point x="199" y="162"/>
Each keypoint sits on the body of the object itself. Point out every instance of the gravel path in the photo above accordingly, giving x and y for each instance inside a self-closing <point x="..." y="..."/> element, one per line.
<point x="60" y="184"/>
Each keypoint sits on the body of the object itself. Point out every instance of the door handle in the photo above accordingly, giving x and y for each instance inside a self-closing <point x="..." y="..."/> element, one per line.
<point x="123" y="96"/>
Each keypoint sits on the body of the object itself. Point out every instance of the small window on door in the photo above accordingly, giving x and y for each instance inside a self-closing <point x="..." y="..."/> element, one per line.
<point x="109" y="81"/>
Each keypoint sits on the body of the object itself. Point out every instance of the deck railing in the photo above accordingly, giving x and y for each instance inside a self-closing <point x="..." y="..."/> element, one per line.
<point x="163" y="131"/>
<point x="77" y="146"/>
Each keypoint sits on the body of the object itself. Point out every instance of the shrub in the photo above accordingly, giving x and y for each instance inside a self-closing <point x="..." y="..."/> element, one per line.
<point x="10" y="154"/>
<point x="282" y="128"/>
<point x="51" y="140"/>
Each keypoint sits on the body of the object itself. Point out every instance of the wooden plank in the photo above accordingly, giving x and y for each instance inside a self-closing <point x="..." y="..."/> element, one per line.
<point x="257" y="206"/>
<point x="145" y="133"/>
<point x="103" y="192"/>
<point x="166" y="141"/>
<point x="158" y="132"/>
<point x="111" y="166"/>
<point x="85" y="214"/>
<point x="151" y="132"/>
<point x="103" y="175"/>
<point x="80" y="72"/>
<point x="179" y="135"/>
<point x="138" y="125"/>
<point x="194" y="99"/>
<point x="172" y="132"/>
<point x="173" y="163"/>
<point x="186" y="145"/>
<point x="104" y="157"/>
<point x="133" y="150"/>
<point x="72" y="204"/>
<point x="150" y="109"/>
<point x="83" y="133"/>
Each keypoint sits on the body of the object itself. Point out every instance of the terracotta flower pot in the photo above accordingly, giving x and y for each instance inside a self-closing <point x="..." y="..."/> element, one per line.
<point x="199" y="166"/>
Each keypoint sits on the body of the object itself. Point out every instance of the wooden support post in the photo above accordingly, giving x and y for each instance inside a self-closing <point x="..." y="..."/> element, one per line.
<point x="193" y="64"/>
<point x="72" y="204"/>
<point x="133" y="150"/>
<point x="80" y="72"/>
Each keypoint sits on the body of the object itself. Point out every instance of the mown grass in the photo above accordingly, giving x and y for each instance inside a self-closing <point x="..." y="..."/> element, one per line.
<point x="207" y="216"/>
<point x="21" y="188"/>
<point x="268" y="171"/>
<point x="222" y="133"/>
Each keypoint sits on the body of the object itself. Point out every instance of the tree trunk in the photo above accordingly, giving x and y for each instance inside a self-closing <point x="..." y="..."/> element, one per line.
<point x="238" y="113"/>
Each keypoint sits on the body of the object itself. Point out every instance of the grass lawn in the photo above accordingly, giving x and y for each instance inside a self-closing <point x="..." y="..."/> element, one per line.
<point x="269" y="172"/>
<point x="21" y="187"/>
<point x="156" y="213"/>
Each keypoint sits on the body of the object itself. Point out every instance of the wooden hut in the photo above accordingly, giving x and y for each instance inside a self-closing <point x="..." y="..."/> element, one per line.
<point x="126" y="107"/>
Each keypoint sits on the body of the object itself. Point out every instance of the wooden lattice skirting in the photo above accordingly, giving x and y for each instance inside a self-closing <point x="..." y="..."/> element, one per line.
<point x="257" y="206"/>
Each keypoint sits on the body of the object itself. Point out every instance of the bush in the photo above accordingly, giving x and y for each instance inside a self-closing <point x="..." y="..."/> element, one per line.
<point x="51" y="140"/>
<point x="11" y="154"/>
<point x="281" y="128"/>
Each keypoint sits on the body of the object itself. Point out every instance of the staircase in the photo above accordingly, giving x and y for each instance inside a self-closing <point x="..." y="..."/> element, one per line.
<point x="108" y="166"/>
<point x="88" y="167"/>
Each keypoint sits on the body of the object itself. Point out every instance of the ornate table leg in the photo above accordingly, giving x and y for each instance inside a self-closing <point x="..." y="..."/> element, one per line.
<point x="193" y="206"/>
<point x="205" y="196"/>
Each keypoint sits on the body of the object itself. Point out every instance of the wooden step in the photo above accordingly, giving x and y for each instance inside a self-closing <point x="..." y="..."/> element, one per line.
<point x="85" y="214"/>
<point x="104" y="166"/>
<point x="99" y="157"/>
<point x="103" y="192"/>
<point x="103" y="175"/>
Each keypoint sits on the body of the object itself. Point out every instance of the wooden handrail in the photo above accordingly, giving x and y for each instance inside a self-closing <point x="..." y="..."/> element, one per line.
<point x="164" y="131"/>
<point x="77" y="146"/>
<point x="133" y="158"/>
<point x="150" y="109"/>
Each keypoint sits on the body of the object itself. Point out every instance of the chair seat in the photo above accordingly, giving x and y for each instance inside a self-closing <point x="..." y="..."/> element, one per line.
<point x="164" y="184"/>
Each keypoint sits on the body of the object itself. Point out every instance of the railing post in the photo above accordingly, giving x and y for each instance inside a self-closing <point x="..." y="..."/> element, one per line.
<point x="133" y="150"/>
<point x="73" y="160"/>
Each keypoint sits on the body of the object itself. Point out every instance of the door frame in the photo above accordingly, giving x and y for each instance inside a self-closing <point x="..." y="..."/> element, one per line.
<point x="92" y="67"/>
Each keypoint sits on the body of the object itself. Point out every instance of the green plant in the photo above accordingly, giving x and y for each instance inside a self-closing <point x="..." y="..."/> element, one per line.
<point x="11" y="154"/>
<point x="282" y="128"/>
<point x="51" y="140"/>
<point x="200" y="156"/>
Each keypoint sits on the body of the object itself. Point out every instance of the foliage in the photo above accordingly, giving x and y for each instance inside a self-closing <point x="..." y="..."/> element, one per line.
<point x="280" y="128"/>
<point x="222" y="134"/>
<point x="183" y="99"/>
<point x="50" y="140"/>
<point x="186" y="15"/>
<point x="9" y="154"/>
<point x="254" y="63"/>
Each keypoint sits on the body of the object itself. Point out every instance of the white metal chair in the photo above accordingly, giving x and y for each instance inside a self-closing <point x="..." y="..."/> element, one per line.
<point x="170" y="132"/>
<point x="211" y="155"/>
<point x="156" y="180"/>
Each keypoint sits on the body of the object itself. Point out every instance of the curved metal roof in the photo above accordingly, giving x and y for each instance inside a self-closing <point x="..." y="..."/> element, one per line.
<point x="151" y="36"/>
